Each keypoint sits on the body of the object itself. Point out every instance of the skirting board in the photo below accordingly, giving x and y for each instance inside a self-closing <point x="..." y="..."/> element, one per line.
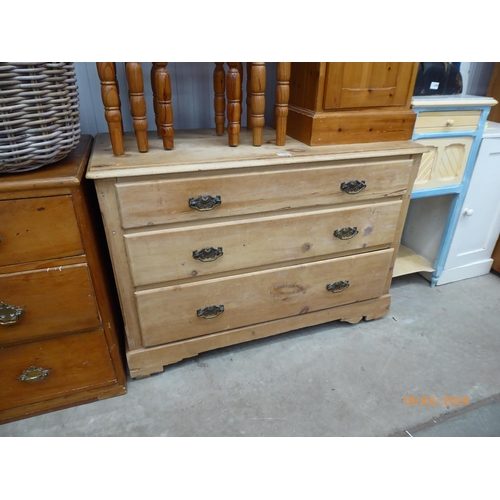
<point x="465" y="272"/>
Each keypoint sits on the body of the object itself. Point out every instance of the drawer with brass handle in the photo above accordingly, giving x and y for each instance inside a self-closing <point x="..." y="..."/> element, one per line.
<point x="195" y="251"/>
<point x="46" y="302"/>
<point x="177" y="312"/>
<point x="163" y="201"/>
<point x="39" y="371"/>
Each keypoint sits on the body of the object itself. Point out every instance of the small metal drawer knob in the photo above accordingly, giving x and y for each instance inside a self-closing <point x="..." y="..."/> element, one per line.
<point x="9" y="315"/>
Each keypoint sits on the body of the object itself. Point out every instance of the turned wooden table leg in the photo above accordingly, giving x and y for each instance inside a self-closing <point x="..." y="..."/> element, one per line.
<point x="137" y="104"/>
<point x="219" y="97"/>
<point x="154" y="69"/>
<point x="164" y="105"/>
<point x="233" y="84"/>
<point x="240" y="71"/>
<point x="282" y="97"/>
<point x="111" y="101"/>
<point x="258" y="100"/>
<point x="249" y="96"/>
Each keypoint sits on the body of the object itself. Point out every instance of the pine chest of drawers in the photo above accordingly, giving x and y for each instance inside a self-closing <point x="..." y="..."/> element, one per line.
<point x="59" y="327"/>
<point x="212" y="245"/>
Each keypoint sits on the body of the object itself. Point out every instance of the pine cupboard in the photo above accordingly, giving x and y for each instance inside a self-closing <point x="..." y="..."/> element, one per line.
<point x="351" y="102"/>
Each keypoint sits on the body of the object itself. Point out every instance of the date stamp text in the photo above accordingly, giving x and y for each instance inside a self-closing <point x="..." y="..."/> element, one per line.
<point x="436" y="401"/>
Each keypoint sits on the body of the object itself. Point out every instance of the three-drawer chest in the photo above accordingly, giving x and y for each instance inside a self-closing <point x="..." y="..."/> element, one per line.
<point x="213" y="246"/>
<point x="60" y="332"/>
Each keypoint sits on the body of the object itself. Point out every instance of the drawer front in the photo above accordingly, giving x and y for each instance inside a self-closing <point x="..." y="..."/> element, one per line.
<point x="445" y="163"/>
<point x="55" y="300"/>
<point x="447" y="121"/>
<point x="185" y="311"/>
<point x="202" y="250"/>
<point x="62" y="366"/>
<point x="34" y="229"/>
<point x="146" y="203"/>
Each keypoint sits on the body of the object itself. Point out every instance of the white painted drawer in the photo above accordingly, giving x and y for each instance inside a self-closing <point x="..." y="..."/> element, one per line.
<point x="447" y="121"/>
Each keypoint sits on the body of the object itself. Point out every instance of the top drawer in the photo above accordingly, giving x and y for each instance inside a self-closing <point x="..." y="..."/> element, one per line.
<point x="447" y="121"/>
<point x="34" y="229"/>
<point x="168" y="200"/>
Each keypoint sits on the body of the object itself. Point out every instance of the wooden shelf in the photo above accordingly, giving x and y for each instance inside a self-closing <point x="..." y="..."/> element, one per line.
<point x="408" y="262"/>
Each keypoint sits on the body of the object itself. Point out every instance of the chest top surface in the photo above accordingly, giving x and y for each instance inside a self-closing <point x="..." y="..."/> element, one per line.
<point x="203" y="151"/>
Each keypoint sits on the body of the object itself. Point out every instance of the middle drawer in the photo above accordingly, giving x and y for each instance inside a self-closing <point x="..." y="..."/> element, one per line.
<point x="202" y="250"/>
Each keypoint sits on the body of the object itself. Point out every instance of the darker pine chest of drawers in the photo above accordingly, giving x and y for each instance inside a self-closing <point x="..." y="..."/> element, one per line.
<point x="59" y="327"/>
<point x="213" y="246"/>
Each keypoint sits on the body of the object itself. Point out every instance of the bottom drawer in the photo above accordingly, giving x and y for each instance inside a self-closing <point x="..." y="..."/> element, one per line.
<point x="62" y="365"/>
<point x="193" y="309"/>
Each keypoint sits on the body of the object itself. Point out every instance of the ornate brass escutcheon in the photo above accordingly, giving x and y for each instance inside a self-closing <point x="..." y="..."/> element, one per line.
<point x="34" y="374"/>
<point x="10" y="315"/>
<point x="205" y="202"/>
<point x="210" y="312"/>
<point x="353" y="187"/>
<point x="338" y="286"/>
<point x="346" y="233"/>
<point x="208" y="254"/>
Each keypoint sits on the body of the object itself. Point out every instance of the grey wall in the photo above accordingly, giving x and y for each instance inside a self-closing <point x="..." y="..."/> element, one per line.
<point x="192" y="95"/>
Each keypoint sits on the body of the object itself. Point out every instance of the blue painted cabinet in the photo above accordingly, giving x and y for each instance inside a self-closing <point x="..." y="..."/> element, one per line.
<point x="451" y="127"/>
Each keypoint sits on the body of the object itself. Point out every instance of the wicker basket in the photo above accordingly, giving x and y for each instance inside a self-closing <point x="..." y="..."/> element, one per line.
<point x="39" y="116"/>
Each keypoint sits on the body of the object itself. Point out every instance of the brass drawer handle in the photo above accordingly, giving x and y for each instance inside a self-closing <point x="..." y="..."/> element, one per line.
<point x="353" y="187"/>
<point x="210" y="312"/>
<point x="10" y="315"/>
<point x="346" y="233"/>
<point x="208" y="254"/>
<point x="204" y="203"/>
<point x="34" y="374"/>
<point x="338" y="286"/>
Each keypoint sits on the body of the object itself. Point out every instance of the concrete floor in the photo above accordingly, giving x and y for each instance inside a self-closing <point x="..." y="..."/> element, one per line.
<point x="329" y="380"/>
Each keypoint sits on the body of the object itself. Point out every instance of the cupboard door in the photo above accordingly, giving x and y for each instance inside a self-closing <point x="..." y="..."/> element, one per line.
<point x="444" y="164"/>
<point x="479" y="223"/>
<point x="367" y="85"/>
